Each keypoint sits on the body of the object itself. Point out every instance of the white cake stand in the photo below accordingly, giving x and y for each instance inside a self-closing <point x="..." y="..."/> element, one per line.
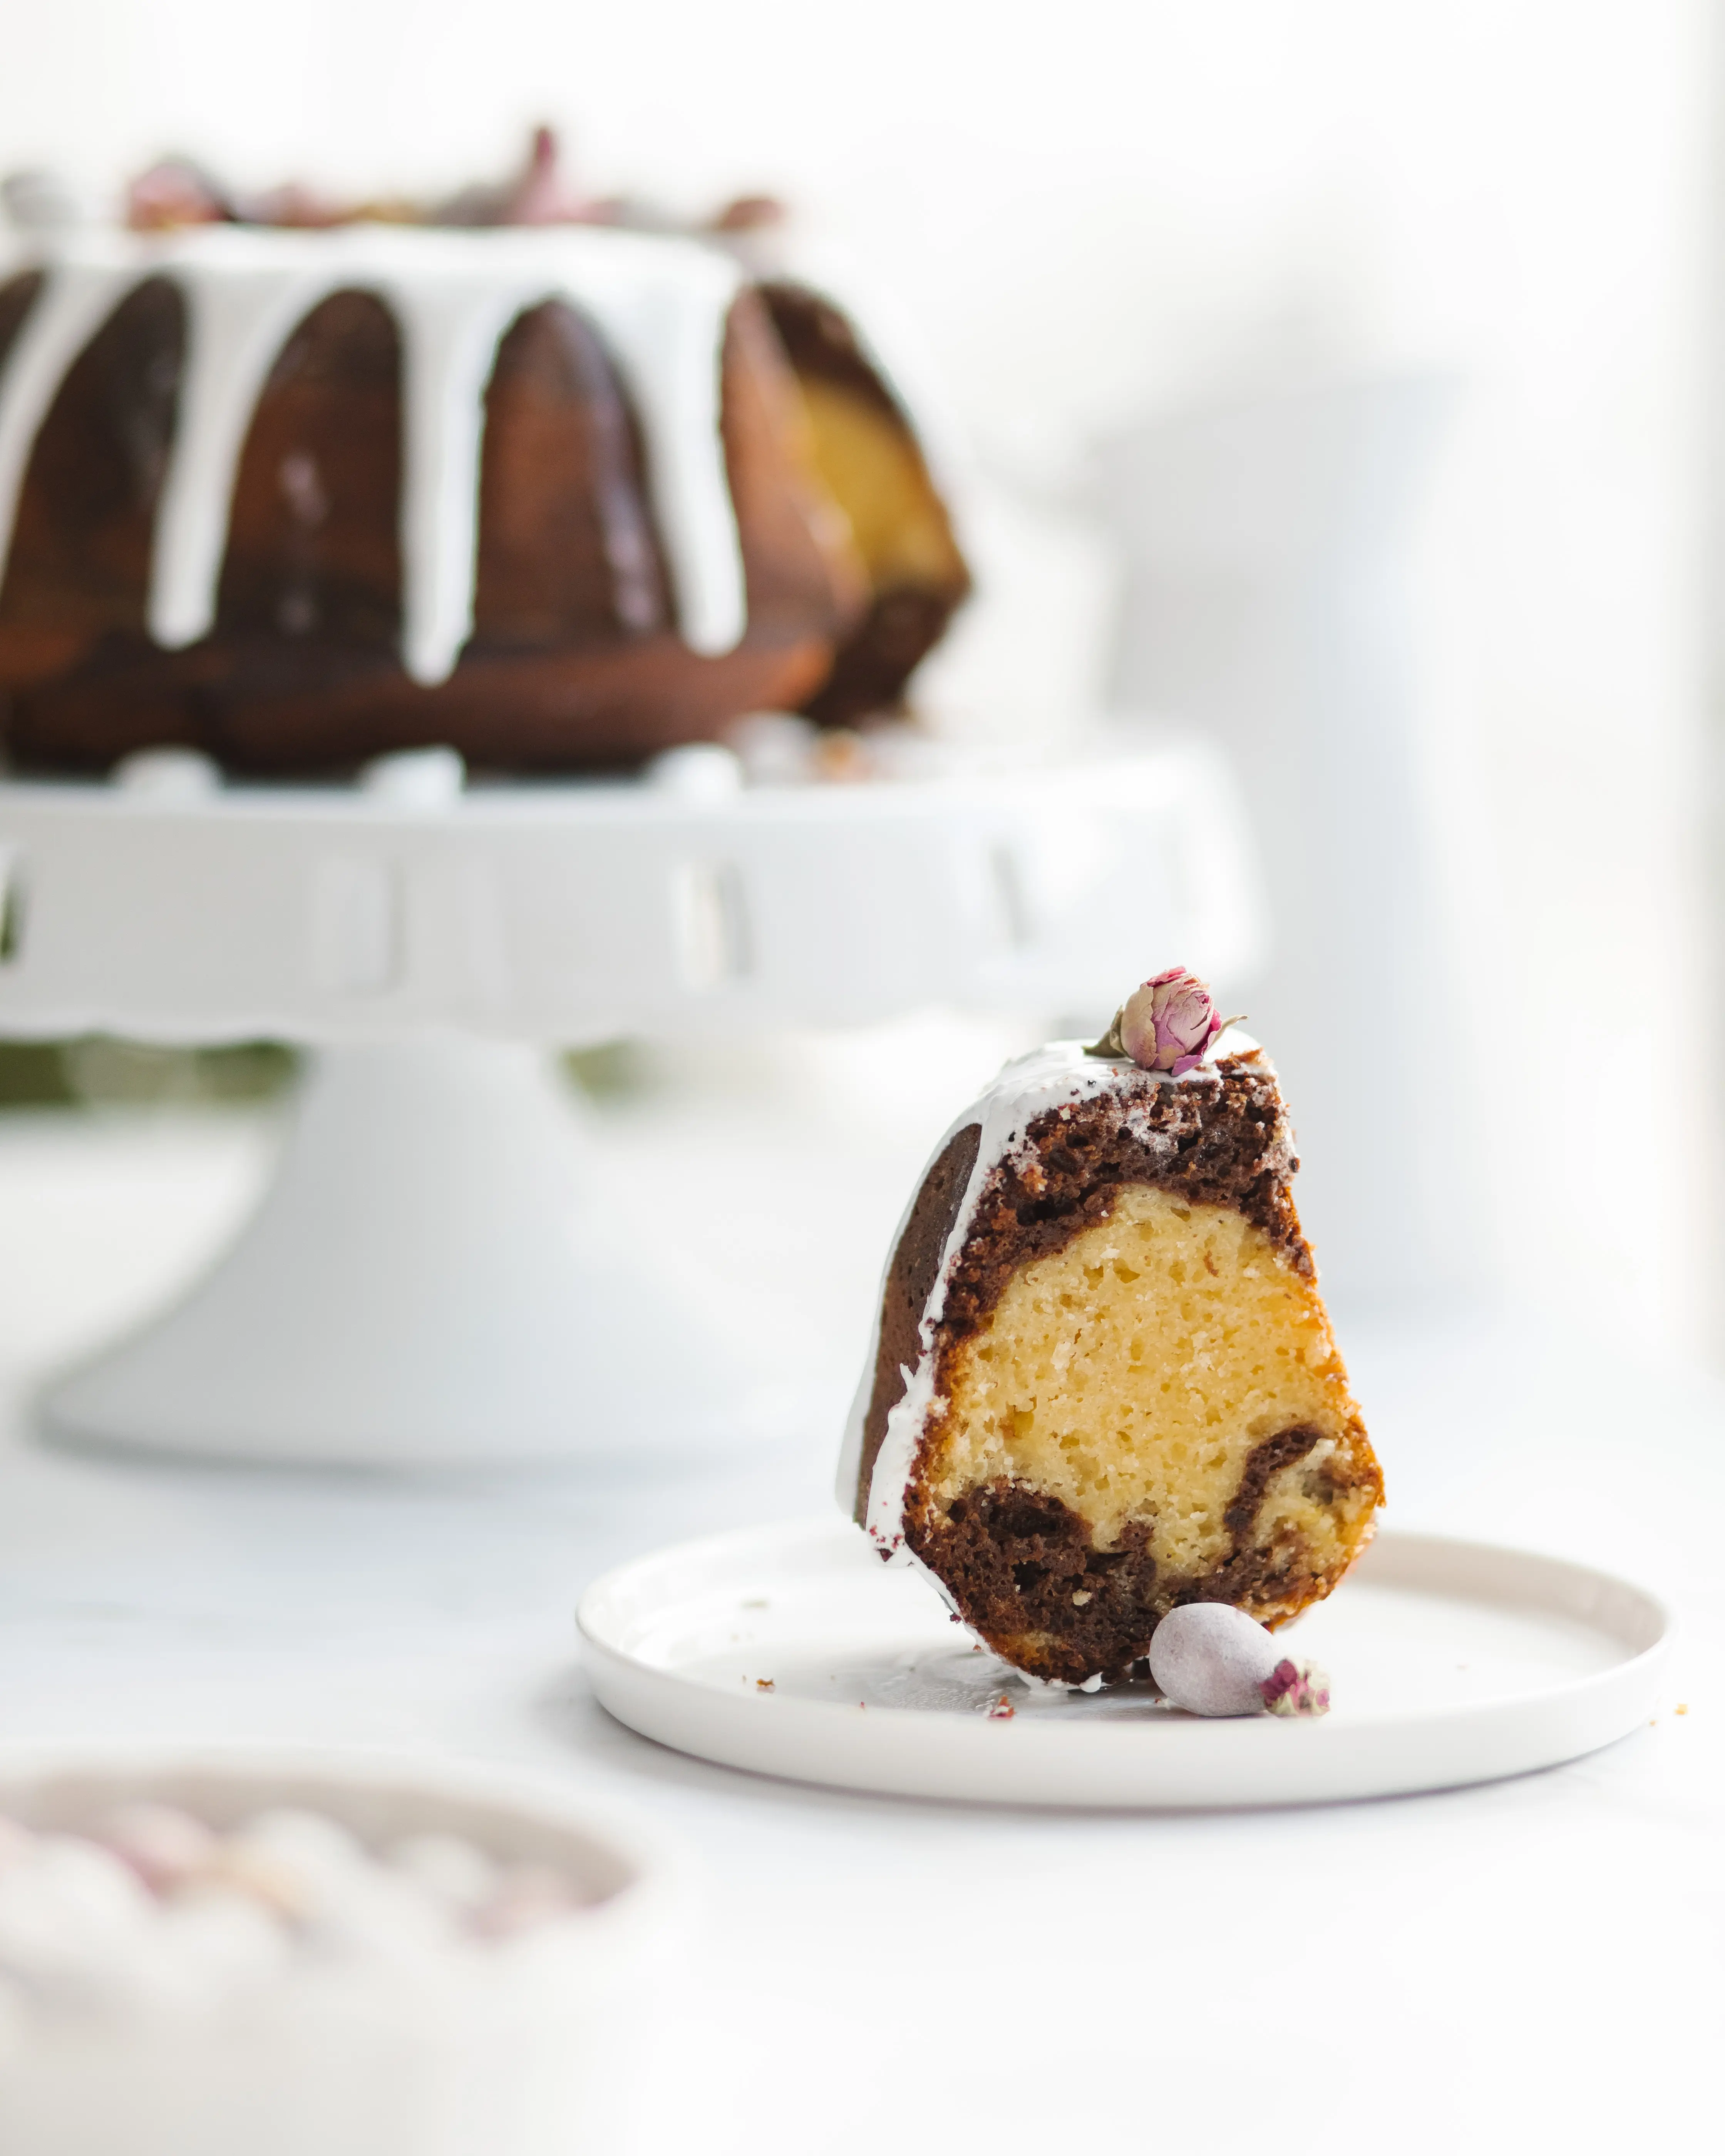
<point x="426" y="1281"/>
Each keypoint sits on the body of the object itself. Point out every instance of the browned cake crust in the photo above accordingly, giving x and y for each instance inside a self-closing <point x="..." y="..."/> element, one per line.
<point x="575" y="660"/>
<point x="1024" y="1568"/>
<point x="909" y="605"/>
<point x="910" y="1278"/>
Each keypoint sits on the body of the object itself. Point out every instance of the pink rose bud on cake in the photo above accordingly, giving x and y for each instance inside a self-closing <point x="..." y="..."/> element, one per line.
<point x="1169" y="1023"/>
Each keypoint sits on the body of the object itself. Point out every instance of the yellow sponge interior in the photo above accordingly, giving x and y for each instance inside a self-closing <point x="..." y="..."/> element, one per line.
<point x="1132" y="1373"/>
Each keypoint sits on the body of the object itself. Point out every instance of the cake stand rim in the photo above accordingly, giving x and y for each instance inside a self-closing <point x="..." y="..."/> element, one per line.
<point x="580" y="911"/>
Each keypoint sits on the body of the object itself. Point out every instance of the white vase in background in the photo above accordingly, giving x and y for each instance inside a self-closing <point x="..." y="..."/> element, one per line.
<point x="1267" y="547"/>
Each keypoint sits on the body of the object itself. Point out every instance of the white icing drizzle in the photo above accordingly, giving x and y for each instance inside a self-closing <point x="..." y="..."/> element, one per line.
<point x="659" y="304"/>
<point x="238" y="319"/>
<point x="1059" y="1075"/>
<point x="449" y="338"/>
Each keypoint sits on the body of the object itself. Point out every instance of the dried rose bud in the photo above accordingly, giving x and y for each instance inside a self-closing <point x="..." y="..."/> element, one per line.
<point x="1297" y="1688"/>
<point x="749" y="213"/>
<point x="1169" y="1023"/>
<point x="541" y="194"/>
<point x="537" y="193"/>
<point x="176" y="192"/>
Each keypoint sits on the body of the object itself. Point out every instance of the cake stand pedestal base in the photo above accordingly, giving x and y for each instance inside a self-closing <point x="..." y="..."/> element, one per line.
<point x="425" y="1282"/>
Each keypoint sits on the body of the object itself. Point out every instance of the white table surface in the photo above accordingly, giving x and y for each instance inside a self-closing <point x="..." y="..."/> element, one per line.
<point x="1535" y="1965"/>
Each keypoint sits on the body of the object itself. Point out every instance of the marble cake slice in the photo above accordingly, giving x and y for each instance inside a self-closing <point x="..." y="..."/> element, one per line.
<point x="1103" y="1381"/>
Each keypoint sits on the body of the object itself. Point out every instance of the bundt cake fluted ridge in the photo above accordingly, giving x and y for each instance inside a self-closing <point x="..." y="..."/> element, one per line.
<point x="556" y="497"/>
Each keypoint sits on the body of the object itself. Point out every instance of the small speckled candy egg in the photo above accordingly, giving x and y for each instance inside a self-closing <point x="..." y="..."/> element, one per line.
<point x="72" y="1917"/>
<point x="163" y="1845"/>
<point x="453" y="1872"/>
<point x="1212" y="1660"/>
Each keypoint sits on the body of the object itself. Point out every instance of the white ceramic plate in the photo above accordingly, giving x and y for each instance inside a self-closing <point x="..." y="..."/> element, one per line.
<point x="793" y="1650"/>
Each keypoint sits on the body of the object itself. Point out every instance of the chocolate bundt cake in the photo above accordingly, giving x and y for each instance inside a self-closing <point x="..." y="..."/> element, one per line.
<point x="1103" y="1382"/>
<point x="559" y="497"/>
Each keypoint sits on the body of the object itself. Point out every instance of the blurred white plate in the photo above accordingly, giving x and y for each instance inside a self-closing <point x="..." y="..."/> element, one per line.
<point x="791" y="1649"/>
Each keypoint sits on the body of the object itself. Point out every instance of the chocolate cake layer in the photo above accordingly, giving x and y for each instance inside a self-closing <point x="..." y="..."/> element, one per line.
<point x="574" y="656"/>
<point x="16" y="299"/>
<point x="73" y="595"/>
<point x="587" y="646"/>
<point x="910" y="1280"/>
<point x="1021" y="1564"/>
